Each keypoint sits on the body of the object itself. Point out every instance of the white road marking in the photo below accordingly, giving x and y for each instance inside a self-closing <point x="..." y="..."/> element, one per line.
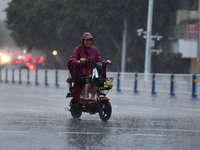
<point x="86" y="133"/>
<point x="23" y="132"/>
<point x="149" y="134"/>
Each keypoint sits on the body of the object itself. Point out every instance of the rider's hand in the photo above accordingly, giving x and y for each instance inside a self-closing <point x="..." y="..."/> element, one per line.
<point x="109" y="61"/>
<point x="81" y="61"/>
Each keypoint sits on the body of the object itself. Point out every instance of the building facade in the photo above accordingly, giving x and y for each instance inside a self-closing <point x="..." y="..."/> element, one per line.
<point x="186" y="32"/>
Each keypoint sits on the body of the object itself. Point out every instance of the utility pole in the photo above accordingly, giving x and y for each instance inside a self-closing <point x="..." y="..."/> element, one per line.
<point x="198" y="47"/>
<point x="123" y="61"/>
<point x="147" y="67"/>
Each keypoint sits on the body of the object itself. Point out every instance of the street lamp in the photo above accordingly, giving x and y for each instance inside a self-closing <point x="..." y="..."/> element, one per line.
<point x="148" y="39"/>
<point x="55" y="59"/>
<point x="55" y="52"/>
<point x="149" y="50"/>
<point x="24" y="51"/>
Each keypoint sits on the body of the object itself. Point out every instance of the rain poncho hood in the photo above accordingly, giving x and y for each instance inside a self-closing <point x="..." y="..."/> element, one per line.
<point x="86" y="36"/>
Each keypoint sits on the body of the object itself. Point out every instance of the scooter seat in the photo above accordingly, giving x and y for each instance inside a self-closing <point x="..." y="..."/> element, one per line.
<point x="69" y="80"/>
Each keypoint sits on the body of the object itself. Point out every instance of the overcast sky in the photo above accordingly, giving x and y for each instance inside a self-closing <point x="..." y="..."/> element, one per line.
<point x="3" y="5"/>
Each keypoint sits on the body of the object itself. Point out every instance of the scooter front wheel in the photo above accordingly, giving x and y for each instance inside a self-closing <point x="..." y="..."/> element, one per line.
<point x="105" y="110"/>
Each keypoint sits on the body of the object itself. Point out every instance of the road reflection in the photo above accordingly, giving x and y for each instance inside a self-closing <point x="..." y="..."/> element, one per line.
<point x="154" y="133"/>
<point x="86" y="134"/>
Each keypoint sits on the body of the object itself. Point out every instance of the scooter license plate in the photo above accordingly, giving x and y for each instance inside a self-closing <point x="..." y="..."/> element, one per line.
<point x="108" y="84"/>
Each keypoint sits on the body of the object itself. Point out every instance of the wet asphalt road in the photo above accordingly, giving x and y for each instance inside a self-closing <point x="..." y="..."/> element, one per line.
<point x="33" y="118"/>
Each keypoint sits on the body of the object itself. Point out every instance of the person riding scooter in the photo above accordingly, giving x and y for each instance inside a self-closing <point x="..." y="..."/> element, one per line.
<point x="79" y="68"/>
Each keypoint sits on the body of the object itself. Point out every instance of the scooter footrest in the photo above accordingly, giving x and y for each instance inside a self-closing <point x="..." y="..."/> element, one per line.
<point x="103" y="94"/>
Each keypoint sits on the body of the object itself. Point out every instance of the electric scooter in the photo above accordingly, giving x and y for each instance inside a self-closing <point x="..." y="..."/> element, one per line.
<point x="101" y="103"/>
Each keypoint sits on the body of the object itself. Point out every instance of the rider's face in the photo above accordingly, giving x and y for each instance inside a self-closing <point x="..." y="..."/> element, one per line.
<point x="88" y="42"/>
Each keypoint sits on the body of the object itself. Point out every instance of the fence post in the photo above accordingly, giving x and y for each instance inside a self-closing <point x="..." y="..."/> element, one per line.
<point x="36" y="77"/>
<point x="57" y="85"/>
<point x="20" y="76"/>
<point x="172" y="94"/>
<point x="13" y="76"/>
<point x="7" y="75"/>
<point x="0" y="76"/>
<point x="194" y="79"/>
<point x="136" y="83"/>
<point x="28" y="77"/>
<point x="153" y="93"/>
<point x="118" y="83"/>
<point x="46" y="78"/>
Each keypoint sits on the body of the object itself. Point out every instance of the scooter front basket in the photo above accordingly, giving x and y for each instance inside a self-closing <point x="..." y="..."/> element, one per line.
<point x="108" y="84"/>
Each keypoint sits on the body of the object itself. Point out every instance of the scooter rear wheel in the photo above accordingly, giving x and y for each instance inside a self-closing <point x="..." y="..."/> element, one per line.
<point x="105" y="110"/>
<point x="76" y="111"/>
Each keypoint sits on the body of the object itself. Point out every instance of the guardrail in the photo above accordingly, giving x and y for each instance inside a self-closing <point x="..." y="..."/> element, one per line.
<point x="137" y="82"/>
<point x="160" y="83"/>
<point x="46" y="77"/>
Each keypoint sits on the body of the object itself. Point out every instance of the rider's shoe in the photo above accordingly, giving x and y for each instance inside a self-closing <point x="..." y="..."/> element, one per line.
<point x="91" y="102"/>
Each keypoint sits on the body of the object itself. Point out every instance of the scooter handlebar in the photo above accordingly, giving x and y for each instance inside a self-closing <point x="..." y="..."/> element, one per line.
<point x="90" y="61"/>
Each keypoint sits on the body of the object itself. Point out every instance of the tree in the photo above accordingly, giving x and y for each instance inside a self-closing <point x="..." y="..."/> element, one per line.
<point x="170" y="63"/>
<point x="53" y="24"/>
<point x="5" y="39"/>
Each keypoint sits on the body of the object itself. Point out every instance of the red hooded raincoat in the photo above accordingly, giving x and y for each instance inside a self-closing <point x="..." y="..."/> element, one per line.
<point x="82" y="70"/>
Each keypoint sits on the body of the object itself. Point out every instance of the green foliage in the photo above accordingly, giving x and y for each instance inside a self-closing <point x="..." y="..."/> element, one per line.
<point x="33" y="22"/>
<point x="5" y="39"/>
<point x="170" y="63"/>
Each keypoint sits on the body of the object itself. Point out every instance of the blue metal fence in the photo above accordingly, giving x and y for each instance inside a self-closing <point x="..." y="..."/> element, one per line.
<point x="137" y="82"/>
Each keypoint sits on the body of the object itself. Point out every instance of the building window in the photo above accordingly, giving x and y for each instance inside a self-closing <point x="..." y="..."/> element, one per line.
<point x="188" y="4"/>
